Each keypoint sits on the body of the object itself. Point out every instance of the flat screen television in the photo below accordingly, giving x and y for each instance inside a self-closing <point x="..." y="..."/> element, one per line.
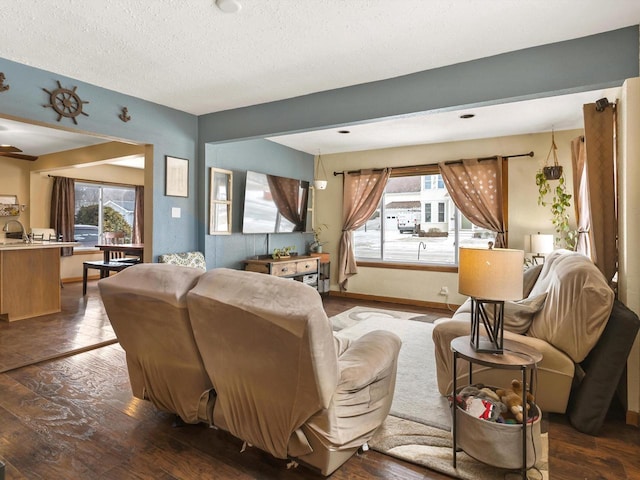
<point x="274" y="204"/>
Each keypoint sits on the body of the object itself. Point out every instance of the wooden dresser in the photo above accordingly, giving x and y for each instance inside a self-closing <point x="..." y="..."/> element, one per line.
<point x="299" y="267"/>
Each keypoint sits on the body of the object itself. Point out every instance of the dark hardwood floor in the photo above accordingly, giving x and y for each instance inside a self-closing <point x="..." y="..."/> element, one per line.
<point x="74" y="418"/>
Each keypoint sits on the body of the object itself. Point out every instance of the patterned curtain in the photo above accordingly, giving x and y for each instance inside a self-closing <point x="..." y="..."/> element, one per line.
<point x="362" y="194"/>
<point x="599" y="166"/>
<point x="476" y="189"/>
<point x="63" y="204"/>
<point x="290" y="200"/>
<point x="137" y="236"/>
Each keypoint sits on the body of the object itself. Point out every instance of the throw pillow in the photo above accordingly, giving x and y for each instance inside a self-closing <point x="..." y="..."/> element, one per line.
<point x="529" y="278"/>
<point x="519" y="315"/>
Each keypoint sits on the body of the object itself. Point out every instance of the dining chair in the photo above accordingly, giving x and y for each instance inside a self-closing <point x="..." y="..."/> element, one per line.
<point x="116" y="261"/>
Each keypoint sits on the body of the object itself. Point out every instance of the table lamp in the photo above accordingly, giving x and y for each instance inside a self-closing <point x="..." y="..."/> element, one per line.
<point x="541" y="244"/>
<point x="489" y="276"/>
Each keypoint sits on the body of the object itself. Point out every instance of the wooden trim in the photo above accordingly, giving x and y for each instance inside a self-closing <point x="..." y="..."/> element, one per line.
<point x="505" y="199"/>
<point x="408" y="266"/>
<point x="399" y="301"/>
<point x="633" y="418"/>
<point x="79" y="279"/>
<point x="419" y="168"/>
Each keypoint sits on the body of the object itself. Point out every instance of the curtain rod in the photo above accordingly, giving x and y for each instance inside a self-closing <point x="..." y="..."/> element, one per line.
<point x="449" y="162"/>
<point x="99" y="182"/>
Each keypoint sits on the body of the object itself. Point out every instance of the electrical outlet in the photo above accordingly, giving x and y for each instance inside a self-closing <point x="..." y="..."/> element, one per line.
<point x="444" y="291"/>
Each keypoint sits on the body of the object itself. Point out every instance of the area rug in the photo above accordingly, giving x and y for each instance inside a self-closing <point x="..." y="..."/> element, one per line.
<point x="418" y="427"/>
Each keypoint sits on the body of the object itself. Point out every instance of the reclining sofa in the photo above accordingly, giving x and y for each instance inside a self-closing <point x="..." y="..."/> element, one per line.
<point x="254" y="355"/>
<point x="568" y="313"/>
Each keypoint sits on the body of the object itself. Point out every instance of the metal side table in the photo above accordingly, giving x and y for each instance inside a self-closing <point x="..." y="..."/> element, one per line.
<point x="516" y="356"/>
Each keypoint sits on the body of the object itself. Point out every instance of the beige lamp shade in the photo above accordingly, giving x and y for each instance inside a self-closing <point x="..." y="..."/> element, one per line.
<point x="491" y="274"/>
<point x="541" y="243"/>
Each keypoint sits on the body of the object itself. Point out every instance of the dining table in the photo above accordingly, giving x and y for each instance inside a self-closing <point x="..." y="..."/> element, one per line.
<point x="135" y="249"/>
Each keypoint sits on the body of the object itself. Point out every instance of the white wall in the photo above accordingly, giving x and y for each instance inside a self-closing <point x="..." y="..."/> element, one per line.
<point x="525" y="216"/>
<point x="629" y="221"/>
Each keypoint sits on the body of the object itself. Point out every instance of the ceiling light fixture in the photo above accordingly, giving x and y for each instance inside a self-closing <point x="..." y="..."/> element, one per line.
<point x="229" y="6"/>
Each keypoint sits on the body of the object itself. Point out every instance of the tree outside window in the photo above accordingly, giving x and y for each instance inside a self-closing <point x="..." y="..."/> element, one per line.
<point x="102" y="208"/>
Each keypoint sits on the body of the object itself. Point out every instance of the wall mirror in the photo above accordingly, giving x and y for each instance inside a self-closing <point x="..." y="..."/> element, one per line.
<point x="221" y="202"/>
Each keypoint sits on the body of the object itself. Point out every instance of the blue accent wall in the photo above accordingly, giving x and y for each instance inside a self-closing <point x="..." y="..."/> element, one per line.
<point x="170" y="131"/>
<point x="259" y="156"/>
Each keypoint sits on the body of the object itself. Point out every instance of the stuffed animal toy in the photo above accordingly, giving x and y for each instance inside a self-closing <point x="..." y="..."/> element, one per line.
<point x="512" y="398"/>
<point x="481" y="402"/>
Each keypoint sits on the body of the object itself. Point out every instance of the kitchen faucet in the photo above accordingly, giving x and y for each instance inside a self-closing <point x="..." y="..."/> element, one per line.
<point x="22" y="231"/>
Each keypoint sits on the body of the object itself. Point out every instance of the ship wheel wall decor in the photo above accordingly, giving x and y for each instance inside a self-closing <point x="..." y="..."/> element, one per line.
<point x="65" y="102"/>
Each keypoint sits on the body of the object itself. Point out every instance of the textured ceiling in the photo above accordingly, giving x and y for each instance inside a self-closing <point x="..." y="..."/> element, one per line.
<point x="189" y="55"/>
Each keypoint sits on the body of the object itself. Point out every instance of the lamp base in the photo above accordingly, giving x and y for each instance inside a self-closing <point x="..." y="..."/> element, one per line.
<point x="493" y="325"/>
<point x="485" y="345"/>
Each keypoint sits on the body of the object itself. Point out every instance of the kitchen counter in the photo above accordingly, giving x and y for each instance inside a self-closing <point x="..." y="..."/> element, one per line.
<point x="21" y="245"/>
<point x="29" y="278"/>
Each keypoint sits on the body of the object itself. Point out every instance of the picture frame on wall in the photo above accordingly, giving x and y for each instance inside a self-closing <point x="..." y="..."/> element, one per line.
<point x="220" y="204"/>
<point x="177" y="177"/>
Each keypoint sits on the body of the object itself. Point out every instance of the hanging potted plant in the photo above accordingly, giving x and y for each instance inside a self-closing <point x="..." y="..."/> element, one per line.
<point x="552" y="172"/>
<point x="560" y="204"/>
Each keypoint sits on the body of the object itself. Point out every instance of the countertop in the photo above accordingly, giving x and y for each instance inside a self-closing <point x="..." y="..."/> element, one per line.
<point x="10" y="244"/>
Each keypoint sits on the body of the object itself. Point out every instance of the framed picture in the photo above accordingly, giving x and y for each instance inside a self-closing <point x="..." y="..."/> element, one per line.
<point x="177" y="177"/>
<point x="221" y="202"/>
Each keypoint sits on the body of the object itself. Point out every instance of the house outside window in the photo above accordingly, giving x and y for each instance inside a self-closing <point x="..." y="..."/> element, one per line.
<point x="403" y="238"/>
<point x="102" y="208"/>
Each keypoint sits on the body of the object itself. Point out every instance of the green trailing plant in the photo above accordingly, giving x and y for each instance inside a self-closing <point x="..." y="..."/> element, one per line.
<point x="560" y="204"/>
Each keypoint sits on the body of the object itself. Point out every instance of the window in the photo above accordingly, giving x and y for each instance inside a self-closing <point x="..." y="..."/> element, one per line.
<point x="403" y="238"/>
<point x="441" y="212"/>
<point x="434" y="181"/>
<point x="102" y="208"/>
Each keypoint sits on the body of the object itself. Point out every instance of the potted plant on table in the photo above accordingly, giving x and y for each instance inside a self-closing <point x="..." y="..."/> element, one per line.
<point x="284" y="252"/>
<point x="316" y="246"/>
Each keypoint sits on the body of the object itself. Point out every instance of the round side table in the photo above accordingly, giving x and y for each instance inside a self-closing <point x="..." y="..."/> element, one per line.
<point x="516" y="356"/>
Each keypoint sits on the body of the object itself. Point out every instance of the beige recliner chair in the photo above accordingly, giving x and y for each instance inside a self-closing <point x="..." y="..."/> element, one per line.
<point x="565" y="310"/>
<point x="283" y="383"/>
<point x="147" y="306"/>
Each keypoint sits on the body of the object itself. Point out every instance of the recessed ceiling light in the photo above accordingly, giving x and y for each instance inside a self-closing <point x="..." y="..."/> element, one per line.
<point x="467" y="115"/>
<point x="229" y="6"/>
<point x="344" y="131"/>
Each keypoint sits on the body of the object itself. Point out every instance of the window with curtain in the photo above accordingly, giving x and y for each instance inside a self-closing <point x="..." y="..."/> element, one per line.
<point x="103" y="208"/>
<point x="396" y="234"/>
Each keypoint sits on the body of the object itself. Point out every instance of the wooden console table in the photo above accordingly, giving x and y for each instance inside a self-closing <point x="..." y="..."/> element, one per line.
<point x="299" y="267"/>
